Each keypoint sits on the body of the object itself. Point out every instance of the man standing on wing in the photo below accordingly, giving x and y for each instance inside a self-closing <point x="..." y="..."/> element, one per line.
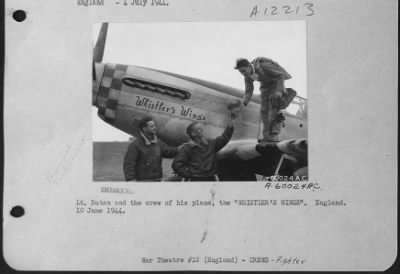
<point x="274" y="96"/>
<point x="143" y="160"/>
<point x="197" y="159"/>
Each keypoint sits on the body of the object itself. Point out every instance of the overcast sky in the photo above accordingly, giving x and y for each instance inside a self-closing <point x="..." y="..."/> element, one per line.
<point x="205" y="50"/>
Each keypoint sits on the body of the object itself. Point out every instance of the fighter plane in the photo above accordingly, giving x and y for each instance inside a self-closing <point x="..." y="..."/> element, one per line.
<point x="124" y="94"/>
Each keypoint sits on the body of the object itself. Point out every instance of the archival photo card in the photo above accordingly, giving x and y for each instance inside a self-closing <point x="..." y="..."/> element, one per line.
<point x="215" y="135"/>
<point x="182" y="76"/>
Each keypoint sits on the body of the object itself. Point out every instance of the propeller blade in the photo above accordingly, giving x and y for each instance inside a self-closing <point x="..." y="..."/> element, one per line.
<point x="98" y="51"/>
<point x="93" y="72"/>
<point x="100" y="44"/>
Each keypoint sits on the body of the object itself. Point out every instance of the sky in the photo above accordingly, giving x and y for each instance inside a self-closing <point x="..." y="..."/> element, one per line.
<point x="205" y="50"/>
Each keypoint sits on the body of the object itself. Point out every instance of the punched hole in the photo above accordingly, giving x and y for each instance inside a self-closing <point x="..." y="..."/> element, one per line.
<point x="19" y="15"/>
<point x="17" y="211"/>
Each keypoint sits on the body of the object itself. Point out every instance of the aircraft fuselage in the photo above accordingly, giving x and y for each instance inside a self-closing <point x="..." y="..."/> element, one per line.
<point x="124" y="94"/>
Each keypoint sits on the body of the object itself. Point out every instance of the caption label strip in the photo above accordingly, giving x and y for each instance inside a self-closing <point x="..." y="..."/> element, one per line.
<point x="120" y="207"/>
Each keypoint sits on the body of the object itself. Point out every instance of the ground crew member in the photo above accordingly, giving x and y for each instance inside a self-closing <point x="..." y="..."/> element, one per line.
<point x="274" y="96"/>
<point x="197" y="159"/>
<point x="143" y="160"/>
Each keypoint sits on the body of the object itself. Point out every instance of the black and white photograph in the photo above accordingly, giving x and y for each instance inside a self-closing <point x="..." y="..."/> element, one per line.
<point x="215" y="135"/>
<point x="200" y="101"/>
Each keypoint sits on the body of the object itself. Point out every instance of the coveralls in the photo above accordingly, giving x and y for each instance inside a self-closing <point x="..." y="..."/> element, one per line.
<point x="271" y="77"/>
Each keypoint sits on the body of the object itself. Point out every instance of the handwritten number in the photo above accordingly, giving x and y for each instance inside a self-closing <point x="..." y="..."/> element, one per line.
<point x="287" y="9"/>
<point x="310" y="8"/>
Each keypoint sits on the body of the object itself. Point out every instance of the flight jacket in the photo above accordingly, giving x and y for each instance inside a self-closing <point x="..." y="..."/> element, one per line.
<point x="143" y="159"/>
<point x="200" y="160"/>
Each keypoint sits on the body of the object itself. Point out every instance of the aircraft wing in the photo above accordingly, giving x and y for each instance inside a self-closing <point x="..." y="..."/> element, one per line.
<point x="241" y="160"/>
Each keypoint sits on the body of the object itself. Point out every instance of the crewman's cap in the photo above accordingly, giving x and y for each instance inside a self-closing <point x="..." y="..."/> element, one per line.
<point x="241" y="62"/>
